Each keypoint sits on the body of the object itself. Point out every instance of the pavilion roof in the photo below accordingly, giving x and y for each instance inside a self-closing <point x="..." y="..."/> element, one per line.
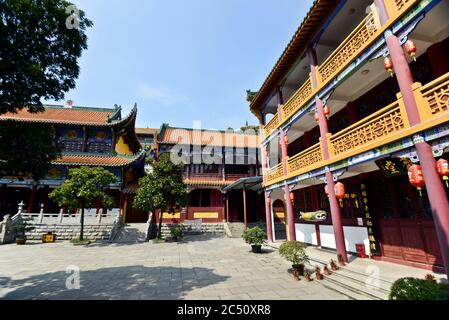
<point x="103" y="160"/>
<point x="84" y="116"/>
<point x="314" y="20"/>
<point x="188" y="136"/>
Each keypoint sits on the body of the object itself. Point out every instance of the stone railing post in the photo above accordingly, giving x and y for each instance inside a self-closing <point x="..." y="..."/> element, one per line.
<point x="61" y="215"/>
<point x="41" y="214"/>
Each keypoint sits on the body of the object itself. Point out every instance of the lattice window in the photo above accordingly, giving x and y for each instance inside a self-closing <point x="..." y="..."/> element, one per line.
<point x="438" y="100"/>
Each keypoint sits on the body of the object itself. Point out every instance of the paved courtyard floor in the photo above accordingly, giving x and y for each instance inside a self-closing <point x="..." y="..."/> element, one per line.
<point x="200" y="268"/>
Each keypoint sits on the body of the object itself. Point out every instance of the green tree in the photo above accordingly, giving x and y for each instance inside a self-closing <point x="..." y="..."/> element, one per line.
<point x="162" y="189"/>
<point x="84" y="188"/>
<point x="40" y="43"/>
<point x="26" y="149"/>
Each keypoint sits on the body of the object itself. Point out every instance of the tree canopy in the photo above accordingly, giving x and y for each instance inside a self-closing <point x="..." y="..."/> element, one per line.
<point x="162" y="189"/>
<point x="84" y="187"/>
<point x="40" y="43"/>
<point x="26" y="149"/>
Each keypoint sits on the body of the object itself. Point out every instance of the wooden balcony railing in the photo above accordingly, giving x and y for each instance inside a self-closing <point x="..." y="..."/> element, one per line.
<point x="375" y="130"/>
<point x="298" y="100"/>
<point x="306" y="159"/>
<point x="433" y="100"/>
<point x="396" y="8"/>
<point x="359" y="40"/>
<point x="381" y="128"/>
<point x="272" y="125"/>
<point x="347" y="52"/>
<point x="275" y="173"/>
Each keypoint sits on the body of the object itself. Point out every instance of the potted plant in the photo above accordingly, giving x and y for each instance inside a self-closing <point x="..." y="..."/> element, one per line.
<point x="176" y="232"/>
<point x="23" y="225"/>
<point x="256" y="237"/>
<point x="318" y="274"/>
<point x="333" y="265"/>
<point x="308" y="276"/>
<point x="294" y="252"/>
<point x="326" y="271"/>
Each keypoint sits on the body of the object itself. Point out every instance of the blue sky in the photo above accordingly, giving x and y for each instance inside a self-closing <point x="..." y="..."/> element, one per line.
<point x="183" y="61"/>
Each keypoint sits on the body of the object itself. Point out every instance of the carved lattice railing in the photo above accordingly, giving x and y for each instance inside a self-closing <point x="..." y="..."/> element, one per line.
<point x="396" y="8"/>
<point x="433" y="98"/>
<point x="275" y="173"/>
<point x="299" y="99"/>
<point x="378" y="129"/>
<point x="359" y="40"/>
<point x="272" y="125"/>
<point x="306" y="159"/>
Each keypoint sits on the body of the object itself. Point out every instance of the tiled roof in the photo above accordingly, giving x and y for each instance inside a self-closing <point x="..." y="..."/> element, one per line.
<point x="315" y="18"/>
<point x="206" y="182"/>
<point x="96" y="160"/>
<point x="146" y="131"/>
<point x="208" y="137"/>
<point x="53" y="114"/>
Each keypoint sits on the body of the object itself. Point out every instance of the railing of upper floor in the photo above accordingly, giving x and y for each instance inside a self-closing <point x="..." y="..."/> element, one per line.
<point x="356" y="43"/>
<point x="381" y="128"/>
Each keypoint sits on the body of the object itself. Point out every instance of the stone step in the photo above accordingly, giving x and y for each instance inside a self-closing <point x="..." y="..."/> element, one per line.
<point x="354" y="284"/>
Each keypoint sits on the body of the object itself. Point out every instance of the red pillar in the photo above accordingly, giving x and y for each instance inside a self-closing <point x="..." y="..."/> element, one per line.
<point x="324" y="130"/>
<point x="268" y="213"/>
<point x="284" y="152"/>
<point x="268" y="216"/>
<point x="32" y="199"/>
<point x="435" y="188"/>
<point x="245" y="218"/>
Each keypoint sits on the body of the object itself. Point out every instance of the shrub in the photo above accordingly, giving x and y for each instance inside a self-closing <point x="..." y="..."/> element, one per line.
<point x="294" y="252"/>
<point x="418" y="289"/>
<point x="255" y="236"/>
<point x="176" y="231"/>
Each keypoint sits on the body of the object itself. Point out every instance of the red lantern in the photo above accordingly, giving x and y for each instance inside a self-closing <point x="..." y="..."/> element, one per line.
<point x="410" y="47"/>
<point x="292" y="197"/>
<point x="327" y="111"/>
<point x="416" y="177"/>
<point x="443" y="170"/>
<point x="388" y="65"/>
<point x="340" y="191"/>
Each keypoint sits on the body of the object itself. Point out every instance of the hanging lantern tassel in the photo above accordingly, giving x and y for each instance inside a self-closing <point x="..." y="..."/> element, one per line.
<point x="388" y="65"/>
<point x="410" y="47"/>
<point x="443" y="170"/>
<point x="340" y="192"/>
<point x="416" y="177"/>
<point x="327" y="111"/>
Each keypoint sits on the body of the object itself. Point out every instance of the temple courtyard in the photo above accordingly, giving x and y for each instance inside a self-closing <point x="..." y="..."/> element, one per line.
<point x="199" y="268"/>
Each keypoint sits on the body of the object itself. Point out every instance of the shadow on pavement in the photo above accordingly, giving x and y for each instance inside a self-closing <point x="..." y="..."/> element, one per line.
<point x="130" y="282"/>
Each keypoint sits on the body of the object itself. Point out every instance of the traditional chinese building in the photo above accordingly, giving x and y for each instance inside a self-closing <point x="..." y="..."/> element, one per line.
<point x="93" y="137"/>
<point x="222" y="172"/>
<point x="357" y="102"/>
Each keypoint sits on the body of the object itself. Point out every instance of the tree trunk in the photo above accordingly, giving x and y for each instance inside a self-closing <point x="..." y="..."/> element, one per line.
<point x="159" y="232"/>
<point x="82" y="221"/>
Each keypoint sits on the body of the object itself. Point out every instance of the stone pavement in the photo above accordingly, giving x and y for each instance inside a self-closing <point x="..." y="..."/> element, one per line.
<point x="200" y="268"/>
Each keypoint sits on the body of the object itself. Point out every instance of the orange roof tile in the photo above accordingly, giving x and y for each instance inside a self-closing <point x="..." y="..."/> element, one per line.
<point x="209" y="137"/>
<point x="207" y="182"/>
<point x="75" y="116"/>
<point x="95" y="160"/>
<point x="146" y="131"/>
